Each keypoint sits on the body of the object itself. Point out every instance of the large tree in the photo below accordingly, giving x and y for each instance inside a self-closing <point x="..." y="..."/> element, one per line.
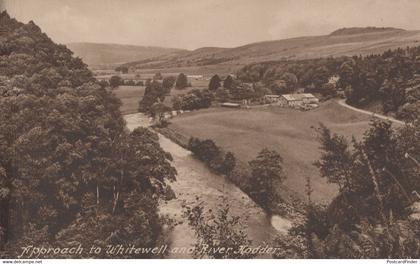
<point x="214" y="82"/>
<point x="228" y="83"/>
<point x="168" y="83"/>
<point x="181" y="81"/>
<point x="266" y="171"/>
<point x="115" y="81"/>
<point x="153" y="93"/>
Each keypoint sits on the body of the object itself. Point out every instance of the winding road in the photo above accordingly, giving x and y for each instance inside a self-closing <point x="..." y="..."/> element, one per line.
<point x="342" y="102"/>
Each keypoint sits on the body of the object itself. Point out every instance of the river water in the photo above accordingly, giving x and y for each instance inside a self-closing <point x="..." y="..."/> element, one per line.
<point x="194" y="179"/>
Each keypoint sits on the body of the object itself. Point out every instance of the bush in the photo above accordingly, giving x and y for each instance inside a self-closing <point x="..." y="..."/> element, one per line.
<point x="115" y="81"/>
<point x="208" y="152"/>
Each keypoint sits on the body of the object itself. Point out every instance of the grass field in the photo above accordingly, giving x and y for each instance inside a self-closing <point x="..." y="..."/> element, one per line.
<point x="246" y="131"/>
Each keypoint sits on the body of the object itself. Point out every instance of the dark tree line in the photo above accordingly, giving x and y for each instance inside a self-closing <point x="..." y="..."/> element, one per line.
<point x="376" y="211"/>
<point x="391" y="78"/>
<point x="69" y="171"/>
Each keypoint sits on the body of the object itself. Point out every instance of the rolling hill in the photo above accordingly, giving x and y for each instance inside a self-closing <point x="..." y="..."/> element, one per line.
<point x="346" y="41"/>
<point x="105" y="54"/>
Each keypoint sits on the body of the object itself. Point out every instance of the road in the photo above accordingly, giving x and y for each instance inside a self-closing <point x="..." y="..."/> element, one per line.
<point x="342" y="102"/>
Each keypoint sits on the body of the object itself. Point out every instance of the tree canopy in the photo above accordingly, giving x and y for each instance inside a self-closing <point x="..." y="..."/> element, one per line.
<point x="69" y="170"/>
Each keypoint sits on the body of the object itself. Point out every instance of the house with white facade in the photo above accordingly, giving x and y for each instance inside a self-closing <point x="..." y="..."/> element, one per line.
<point x="296" y="100"/>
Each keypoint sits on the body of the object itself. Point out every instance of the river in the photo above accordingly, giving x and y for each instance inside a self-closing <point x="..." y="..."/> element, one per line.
<point x="194" y="179"/>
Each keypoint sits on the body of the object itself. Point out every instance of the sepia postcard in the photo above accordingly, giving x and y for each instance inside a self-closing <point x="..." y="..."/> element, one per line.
<point x="274" y="130"/>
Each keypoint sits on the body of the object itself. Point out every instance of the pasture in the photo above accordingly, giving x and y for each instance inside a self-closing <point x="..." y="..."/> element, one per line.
<point x="290" y="132"/>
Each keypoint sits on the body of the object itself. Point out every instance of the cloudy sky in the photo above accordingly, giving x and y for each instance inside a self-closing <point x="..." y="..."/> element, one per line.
<point x="192" y="24"/>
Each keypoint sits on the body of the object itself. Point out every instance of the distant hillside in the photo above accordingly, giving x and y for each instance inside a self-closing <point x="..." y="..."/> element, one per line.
<point x="346" y="41"/>
<point x="102" y="54"/>
<point x="363" y="30"/>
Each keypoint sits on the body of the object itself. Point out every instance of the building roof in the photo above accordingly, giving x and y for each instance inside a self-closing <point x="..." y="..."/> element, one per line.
<point x="231" y="104"/>
<point x="272" y="95"/>
<point x="298" y="97"/>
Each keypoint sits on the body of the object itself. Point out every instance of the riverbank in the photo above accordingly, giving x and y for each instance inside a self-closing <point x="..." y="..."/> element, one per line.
<point x="292" y="205"/>
<point x="195" y="180"/>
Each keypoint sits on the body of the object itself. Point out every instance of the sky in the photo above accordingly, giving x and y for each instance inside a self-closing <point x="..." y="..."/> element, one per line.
<point x="192" y="24"/>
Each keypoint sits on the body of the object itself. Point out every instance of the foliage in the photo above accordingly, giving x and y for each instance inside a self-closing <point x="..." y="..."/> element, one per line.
<point x="215" y="230"/>
<point x="214" y="82"/>
<point x="168" y="83"/>
<point x="222" y="95"/>
<point x="115" y="81"/>
<point x="153" y="93"/>
<point x="266" y="170"/>
<point x="181" y="81"/>
<point x="195" y="99"/>
<point x="208" y="152"/>
<point x="374" y="214"/>
<point x="69" y="170"/>
<point x="158" y="111"/>
<point x="122" y="69"/>
<point x="228" y="83"/>
<point x="391" y="78"/>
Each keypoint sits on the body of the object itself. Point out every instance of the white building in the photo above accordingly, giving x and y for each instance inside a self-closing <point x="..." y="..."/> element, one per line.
<point x="295" y="100"/>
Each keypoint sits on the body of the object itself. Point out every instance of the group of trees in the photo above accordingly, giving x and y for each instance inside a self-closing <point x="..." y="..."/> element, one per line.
<point x="208" y="152"/>
<point x="182" y="82"/>
<point x="160" y="87"/>
<point x="376" y="211"/>
<point x="267" y="173"/>
<point x="155" y="93"/>
<point x="391" y="78"/>
<point x="122" y="69"/>
<point x="116" y="81"/>
<point x="235" y="89"/>
<point x="193" y="100"/>
<point x="266" y="170"/>
<point x="217" y="230"/>
<point x="69" y="171"/>
<point x="286" y="76"/>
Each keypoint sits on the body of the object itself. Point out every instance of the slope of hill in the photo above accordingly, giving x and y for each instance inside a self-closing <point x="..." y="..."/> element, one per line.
<point x="102" y="54"/>
<point x="347" y="41"/>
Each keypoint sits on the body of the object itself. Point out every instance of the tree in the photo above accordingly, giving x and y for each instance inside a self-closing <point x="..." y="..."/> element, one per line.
<point x="181" y="81"/>
<point x="158" y="111"/>
<point x="320" y="76"/>
<point x="222" y="95"/>
<point x="205" y="150"/>
<point x="69" y="169"/>
<point x="152" y="94"/>
<point x="115" y="81"/>
<point x="291" y="80"/>
<point x="217" y="230"/>
<point x="195" y="99"/>
<point x="214" y="82"/>
<point x="176" y="102"/>
<point x="228" y="83"/>
<point x="122" y="69"/>
<point x="279" y="87"/>
<point x="336" y="159"/>
<point x="228" y="164"/>
<point x="168" y="83"/>
<point x="266" y="170"/>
